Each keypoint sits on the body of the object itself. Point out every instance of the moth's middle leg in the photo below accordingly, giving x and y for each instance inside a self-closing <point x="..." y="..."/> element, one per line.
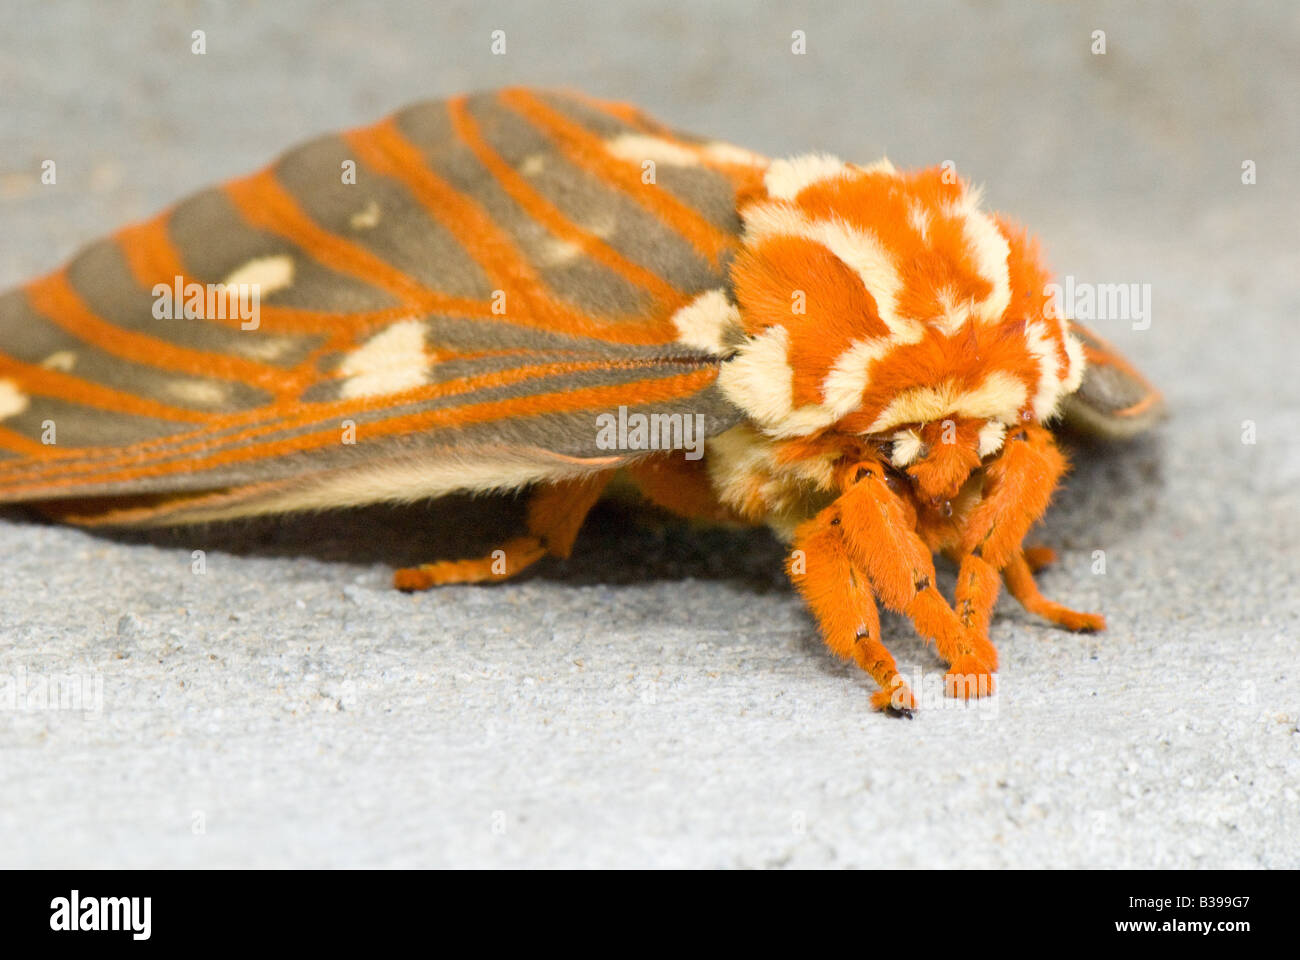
<point x="556" y="512"/>
<point x="1022" y="480"/>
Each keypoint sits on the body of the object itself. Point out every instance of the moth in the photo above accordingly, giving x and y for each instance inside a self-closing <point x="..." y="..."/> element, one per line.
<point x="542" y="292"/>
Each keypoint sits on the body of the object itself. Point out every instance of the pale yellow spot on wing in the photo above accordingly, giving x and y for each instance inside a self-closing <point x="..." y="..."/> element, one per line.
<point x="601" y="224"/>
<point x="366" y="219"/>
<point x="533" y="164"/>
<point x="267" y="274"/>
<point x="12" y="400"/>
<point x="389" y="362"/>
<point x="263" y="348"/>
<point x="557" y="252"/>
<point x="199" y="392"/>
<point x="63" y="360"/>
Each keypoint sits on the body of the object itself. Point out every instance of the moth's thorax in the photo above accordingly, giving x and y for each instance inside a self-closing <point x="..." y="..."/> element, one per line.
<point x="872" y="300"/>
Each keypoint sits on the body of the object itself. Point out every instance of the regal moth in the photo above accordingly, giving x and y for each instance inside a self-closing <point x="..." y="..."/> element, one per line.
<point x="545" y="293"/>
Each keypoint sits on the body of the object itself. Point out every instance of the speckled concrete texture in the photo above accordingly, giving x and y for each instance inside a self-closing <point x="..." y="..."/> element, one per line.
<point x="662" y="698"/>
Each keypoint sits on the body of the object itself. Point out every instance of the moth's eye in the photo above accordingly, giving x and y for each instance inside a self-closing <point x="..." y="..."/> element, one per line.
<point x="922" y="452"/>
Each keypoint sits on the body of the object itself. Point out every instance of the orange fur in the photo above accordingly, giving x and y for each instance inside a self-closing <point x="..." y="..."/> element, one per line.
<point x="555" y="514"/>
<point x="936" y="263"/>
<point x="1020" y="484"/>
<point x="893" y="357"/>
<point x="1039" y="558"/>
<point x="881" y="538"/>
<point x="839" y="595"/>
<point x="940" y="475"/>
<point x="944" y="328"/>
<point x="1020" y="581"/>
<point x="977" y="594"/>
<point x="680" y="486"/>
<point x="837" y="307"/>
<point x="921" y="222"/>
<point x="509" y="559"/>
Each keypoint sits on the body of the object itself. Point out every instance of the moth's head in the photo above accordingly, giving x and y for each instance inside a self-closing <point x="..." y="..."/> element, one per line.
<point x="939" y="455"/>
<point x="886" y="304"/>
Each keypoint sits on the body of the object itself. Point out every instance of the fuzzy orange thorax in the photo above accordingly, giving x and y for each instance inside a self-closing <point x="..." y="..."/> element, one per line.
<point x="874" y="298"/>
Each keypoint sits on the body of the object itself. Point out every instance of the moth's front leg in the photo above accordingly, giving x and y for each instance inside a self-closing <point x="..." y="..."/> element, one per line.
<point x="839" y="596"/>
<point x="880" y="534"/>
<point x="1019" y="485"/>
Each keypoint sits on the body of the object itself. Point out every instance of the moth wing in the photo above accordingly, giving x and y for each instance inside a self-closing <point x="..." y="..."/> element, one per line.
<point x="1114" y="400"/>
<point x="445" y="301"/>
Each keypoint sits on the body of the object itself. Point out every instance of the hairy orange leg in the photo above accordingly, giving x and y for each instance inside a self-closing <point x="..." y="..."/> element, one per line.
<point x="1020" y="484"/>
<point x="977" y="595"/>
<point x="555" y="514"/>
<point x="1039" y="558"/>
<point x="881" y="538"/>
<point x="838" y="594"/>
<point x="1019" y="578"/>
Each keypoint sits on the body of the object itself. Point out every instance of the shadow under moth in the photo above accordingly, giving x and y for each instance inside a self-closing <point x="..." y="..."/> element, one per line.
<point x="542" y="292"/>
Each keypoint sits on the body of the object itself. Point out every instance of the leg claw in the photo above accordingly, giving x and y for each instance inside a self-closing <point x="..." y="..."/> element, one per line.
<point x="897" y="701"/>
<point x="1082" y="622"/>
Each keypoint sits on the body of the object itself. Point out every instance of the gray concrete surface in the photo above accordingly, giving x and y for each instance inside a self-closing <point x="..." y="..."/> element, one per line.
<point x="662" y="699"/>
